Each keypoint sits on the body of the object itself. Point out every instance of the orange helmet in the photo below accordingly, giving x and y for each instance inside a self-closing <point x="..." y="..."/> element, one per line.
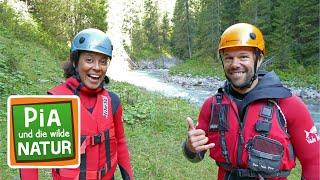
<point x="242" y="34"/>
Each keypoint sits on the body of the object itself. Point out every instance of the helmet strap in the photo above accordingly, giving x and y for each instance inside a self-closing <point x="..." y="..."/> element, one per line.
<point x="254" y="77"/>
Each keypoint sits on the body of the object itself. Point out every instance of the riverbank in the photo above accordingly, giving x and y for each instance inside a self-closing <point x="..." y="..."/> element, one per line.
<point x="211" y="77"/>
<point x="213" y="83"/>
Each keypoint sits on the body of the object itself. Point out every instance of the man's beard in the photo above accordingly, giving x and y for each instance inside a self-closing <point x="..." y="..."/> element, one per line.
<point x="246" y="84"/>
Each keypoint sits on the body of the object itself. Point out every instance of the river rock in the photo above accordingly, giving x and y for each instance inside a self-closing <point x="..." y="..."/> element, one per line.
<point x="213" y="83"/>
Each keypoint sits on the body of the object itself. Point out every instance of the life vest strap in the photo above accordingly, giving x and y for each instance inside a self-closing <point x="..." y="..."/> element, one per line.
<point x="91" y="140"/>
<point x="250" y="173"/>
<point x="75" y="174"/>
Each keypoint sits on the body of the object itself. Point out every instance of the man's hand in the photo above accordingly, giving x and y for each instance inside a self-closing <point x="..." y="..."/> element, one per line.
<point x="197" y="140"/>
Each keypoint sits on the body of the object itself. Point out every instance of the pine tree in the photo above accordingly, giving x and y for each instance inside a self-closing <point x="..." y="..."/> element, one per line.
<point x="182" y="38"/>
<point x="138" y="40"/>
<point x="306" y="32"/>
<point x="281" y="37"/>
<point x="208" y="28"/>
<point x="230" y="12"/>
<point x="150" y="24"/>
<point x="165" y="32"/>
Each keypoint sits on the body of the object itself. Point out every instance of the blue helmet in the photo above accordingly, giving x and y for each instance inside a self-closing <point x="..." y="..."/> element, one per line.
<point x="92" y="40"/>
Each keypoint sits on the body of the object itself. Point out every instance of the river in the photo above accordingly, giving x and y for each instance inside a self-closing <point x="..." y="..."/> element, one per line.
<point x="154" y="80"/>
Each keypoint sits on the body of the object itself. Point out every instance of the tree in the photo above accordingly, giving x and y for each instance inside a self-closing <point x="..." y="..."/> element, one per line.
<point x="150" y="24"/>
<point x="230" y="12"/>
<point x="182" y="38"/>
<point x="138" y="40"/>
<point x="306" y="32"/>
<point x="62" y="19"/>
<point x="208" y="28"/>
<point x="165" y="32"/>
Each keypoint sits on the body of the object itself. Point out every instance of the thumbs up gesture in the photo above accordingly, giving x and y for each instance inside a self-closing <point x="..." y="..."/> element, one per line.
<point x="197" y="140"/>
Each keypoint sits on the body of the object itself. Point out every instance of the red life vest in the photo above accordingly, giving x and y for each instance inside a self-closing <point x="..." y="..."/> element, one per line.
<point x="257" y="146"/>
<point x="98" y="141"/>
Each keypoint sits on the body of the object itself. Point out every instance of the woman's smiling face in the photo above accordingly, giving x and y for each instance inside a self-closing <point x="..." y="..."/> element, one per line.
<point x="92" y="68"/>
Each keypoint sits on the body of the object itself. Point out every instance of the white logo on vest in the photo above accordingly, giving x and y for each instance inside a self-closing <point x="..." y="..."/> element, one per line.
<point x="105" y="106"/>
<point x="312" y="135"/>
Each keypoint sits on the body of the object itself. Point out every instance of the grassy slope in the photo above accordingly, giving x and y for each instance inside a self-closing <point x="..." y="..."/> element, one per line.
<point x="36" y="69"/>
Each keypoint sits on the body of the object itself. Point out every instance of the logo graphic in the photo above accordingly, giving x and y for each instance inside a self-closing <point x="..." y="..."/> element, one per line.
<point x="43" y="131"/>
<point x="105" y="106"/>
<point x="312" y="135"/>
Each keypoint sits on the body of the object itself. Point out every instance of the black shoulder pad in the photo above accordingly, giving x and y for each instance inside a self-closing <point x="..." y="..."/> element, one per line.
<point x="115" y="101"/>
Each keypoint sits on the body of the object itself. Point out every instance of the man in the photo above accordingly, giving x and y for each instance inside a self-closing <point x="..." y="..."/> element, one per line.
<point x="253" y="127"/>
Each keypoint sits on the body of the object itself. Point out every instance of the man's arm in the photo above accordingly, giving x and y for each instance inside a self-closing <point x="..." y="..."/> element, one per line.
<point x="196" y="145"/>
<point x="303" y="135"/>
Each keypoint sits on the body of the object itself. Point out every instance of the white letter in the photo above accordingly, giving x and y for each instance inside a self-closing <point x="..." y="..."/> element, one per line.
<point x="35" y="148"/>
<point x="41" y="118"/>
<point x="28" y="119"/>
<point x="58" y="147"/>
<point x="55" y="119"/>
<point x="24" y="148"/>
<point x="66" y="145"/>
<point x="44" y="147"/>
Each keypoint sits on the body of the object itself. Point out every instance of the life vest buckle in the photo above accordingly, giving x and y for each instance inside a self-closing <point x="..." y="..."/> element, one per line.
<point x="95" y="139"/>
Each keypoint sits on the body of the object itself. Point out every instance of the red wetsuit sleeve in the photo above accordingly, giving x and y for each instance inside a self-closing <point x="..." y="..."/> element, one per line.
<point x="303" y="135"/>
<point x="29" y="174"/>
<point x="204" y="115"/>
<point x="123" y="152"/>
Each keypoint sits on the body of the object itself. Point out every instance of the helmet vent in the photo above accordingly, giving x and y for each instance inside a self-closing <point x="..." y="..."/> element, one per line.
<point x="252" y="36"/>
<point x="81" y="40"/>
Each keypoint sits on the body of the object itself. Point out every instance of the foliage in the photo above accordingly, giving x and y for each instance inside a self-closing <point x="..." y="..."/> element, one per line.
<point x="150" y="39"/>
<point x="298" y="76"/>
<point x="136" y="107"/>
<point x="27" y="67"/>
<point x="150" y="25"/>
<point x="183" y="29"/>
<point x="63" y="20"/>
<point x="165" y="30"/>
<point x="199" y="66"/>
<point x="206" y="43"/>
<point x="26" y="30"/>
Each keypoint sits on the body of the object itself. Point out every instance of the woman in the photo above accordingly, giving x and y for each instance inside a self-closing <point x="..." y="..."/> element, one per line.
<point x="102" y="134"/>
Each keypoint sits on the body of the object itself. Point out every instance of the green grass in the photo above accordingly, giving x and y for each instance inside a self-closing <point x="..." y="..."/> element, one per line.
<point x="154" y="142"/>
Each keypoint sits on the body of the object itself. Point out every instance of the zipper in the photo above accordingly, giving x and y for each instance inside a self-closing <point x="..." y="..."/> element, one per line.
<point x="240" y="132"/>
